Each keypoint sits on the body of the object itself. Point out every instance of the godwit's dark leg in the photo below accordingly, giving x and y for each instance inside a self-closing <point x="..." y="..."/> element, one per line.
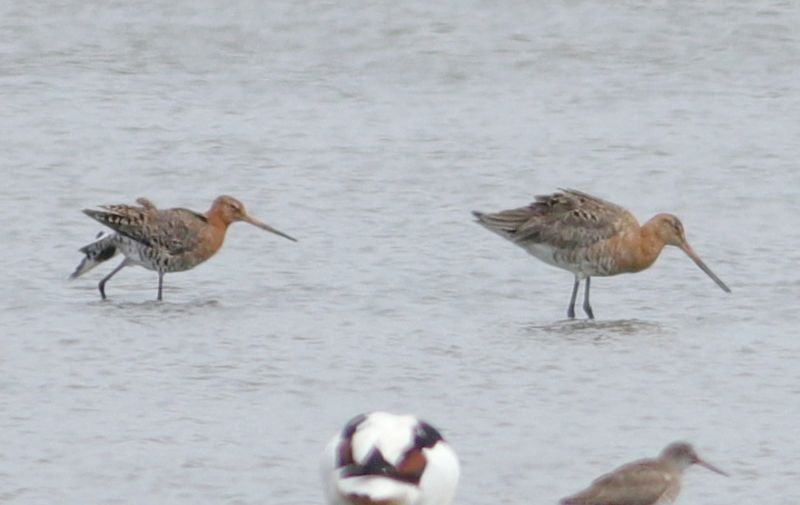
<point x="102" y="285"/>
<point x="586" y="307"/>
<point x="571" y="308"/>
<point x="160" y="284"/>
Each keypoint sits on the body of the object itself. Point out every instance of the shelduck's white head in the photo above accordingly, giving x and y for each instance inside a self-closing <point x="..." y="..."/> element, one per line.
<point x="387" y="459"/>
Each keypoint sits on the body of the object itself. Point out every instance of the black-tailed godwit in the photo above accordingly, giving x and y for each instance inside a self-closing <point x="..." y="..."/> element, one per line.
<point x="589" y="237"/>
<point x="170" y="240"/>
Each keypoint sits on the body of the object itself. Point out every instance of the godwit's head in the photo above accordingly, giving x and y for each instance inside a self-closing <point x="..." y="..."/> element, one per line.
<point x="669" y="230"/>
<point x="682" y="455"/>
<point x="230" y="210"/>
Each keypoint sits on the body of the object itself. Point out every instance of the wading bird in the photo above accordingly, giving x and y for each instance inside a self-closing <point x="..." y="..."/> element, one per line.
<point x="589" y="237"/>
<point x="169" y="240"/>
<point x="644" y="482"/>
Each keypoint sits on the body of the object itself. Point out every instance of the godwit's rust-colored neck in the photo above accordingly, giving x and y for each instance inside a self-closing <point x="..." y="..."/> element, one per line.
<point x="217" y="218"/>
<point x="218" y="222"/>
<point x="638" y="249"/>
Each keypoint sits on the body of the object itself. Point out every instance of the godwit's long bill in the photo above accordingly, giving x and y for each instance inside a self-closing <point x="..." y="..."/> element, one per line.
<point x="589" y="237"/>
<point x="170" y="240"/>
<point x="388" y="459"/>
<point x="645" y="482"/>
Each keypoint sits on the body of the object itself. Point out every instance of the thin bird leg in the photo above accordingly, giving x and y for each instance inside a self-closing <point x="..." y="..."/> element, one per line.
<point x="102" y="285"/>
<point x="160" y="284"/>
<point x="586" y="307"/>
<point x="571" y="308"/>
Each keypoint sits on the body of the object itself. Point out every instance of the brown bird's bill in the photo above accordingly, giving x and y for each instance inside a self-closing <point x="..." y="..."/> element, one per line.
<point x="693" y="255"/>
<point x="711" y="467"/>
<point x="263" y="226"/>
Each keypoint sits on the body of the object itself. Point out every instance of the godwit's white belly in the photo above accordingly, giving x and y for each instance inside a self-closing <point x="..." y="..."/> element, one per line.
<point x="581" y="262"/>
<point x="134" y="252"/>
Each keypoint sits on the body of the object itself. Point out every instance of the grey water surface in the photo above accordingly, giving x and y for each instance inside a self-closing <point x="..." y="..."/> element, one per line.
<point x="369" y="130"/>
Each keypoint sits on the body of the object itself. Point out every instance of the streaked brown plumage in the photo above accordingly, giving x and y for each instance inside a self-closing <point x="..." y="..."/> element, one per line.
<point x="170" y="240"/>
<point x="645" y="482"/>
<point x="589" y="237"/>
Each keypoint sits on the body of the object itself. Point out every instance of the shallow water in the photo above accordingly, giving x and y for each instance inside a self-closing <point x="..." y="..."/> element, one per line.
<point x="369" y="132"/>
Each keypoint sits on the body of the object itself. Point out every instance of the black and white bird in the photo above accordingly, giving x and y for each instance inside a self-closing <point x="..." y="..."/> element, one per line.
<point x="387" y="459"/>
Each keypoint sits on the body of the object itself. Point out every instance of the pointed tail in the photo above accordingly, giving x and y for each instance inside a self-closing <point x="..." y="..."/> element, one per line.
<point x="502" y="223"/>
<point x="102" y="249"/>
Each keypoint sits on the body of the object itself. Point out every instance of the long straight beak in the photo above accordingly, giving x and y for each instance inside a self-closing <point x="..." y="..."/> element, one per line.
<point x="685" y="247"/>
<point x="263" y="226"/>
<point x="711" y="467"/>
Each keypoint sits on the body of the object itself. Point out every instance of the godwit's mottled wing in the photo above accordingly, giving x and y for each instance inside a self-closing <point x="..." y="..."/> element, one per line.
<point x="174" y="230"/>
<point x="567" y="219"/>
<point x="637" y="483"/>
<point x="134" y="212"/>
